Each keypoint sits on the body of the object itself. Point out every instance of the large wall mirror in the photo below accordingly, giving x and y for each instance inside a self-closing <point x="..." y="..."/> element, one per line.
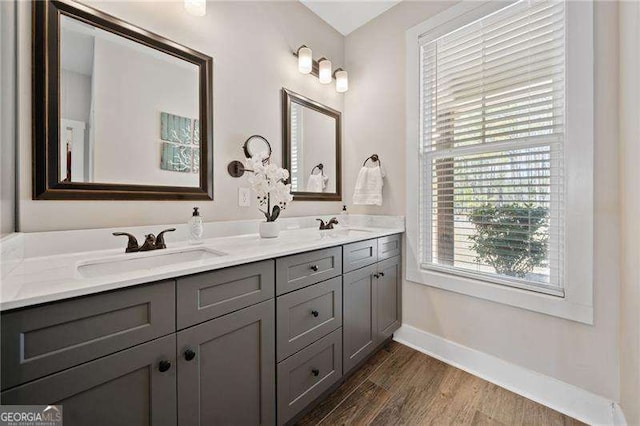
<point x="311" y="148"/>
<point x="119" y="112"/>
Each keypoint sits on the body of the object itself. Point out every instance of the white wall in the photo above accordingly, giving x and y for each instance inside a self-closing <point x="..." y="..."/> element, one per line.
<point x="127" y="144"/>
<point x="75" y="96"/>
<point x="319" y="140"/>
<point x="586" y="356"/>
<point x="251" y="45"/>
<point x="630" y="210"/>
<point x="7" y="117"/>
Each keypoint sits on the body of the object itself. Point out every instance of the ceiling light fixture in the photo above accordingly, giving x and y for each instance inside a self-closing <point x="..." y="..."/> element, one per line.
<point x="196" y="7"/>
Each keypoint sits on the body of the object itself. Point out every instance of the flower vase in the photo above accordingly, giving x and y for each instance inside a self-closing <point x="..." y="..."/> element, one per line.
<point x="269" y="229"/>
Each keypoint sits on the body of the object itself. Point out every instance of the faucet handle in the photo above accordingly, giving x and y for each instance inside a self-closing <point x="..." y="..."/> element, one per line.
<point x="160" y="244"/>
<point x="132" y="244"/>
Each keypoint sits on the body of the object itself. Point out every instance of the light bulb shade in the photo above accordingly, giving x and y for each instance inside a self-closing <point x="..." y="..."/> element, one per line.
<point x="305" y="60"/>
<point x="196" y="7"/>
<point x="342" y="81"/>
<point x="324" y="73"/>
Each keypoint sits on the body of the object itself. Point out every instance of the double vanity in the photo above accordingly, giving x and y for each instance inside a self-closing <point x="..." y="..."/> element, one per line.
<point x="238" y="330"/>
<point x="235" y="330"/>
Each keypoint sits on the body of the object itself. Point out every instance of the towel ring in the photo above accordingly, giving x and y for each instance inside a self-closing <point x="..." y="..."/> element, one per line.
<point x="319" y="167"/>
<point x="373" y="158"/>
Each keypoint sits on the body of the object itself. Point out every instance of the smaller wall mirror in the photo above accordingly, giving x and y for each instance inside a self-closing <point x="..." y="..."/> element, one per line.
<point x="311" y="148"/>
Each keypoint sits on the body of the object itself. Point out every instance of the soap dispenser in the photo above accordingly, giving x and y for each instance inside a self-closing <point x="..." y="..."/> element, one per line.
<point x="343" y="218"/>
<point x="196" y="229"/>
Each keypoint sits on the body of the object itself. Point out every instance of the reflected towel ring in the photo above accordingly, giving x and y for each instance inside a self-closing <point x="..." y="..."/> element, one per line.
<point x="373" y="158"/>
<point x="319" y="167"/>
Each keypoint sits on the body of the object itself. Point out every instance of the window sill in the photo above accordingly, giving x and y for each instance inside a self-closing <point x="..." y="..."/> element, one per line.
<point x="525" y="299"/>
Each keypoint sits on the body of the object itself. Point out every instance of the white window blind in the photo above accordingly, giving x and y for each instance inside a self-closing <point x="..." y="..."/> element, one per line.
<point x="492" y="132"/>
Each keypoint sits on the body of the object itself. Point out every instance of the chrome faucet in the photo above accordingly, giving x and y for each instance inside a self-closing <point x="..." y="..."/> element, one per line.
<point x="328" y="225"/>
<point x="151" y="242"/>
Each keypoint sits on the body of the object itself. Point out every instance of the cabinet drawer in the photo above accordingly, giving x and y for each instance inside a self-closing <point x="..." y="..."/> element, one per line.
<point x="389" y="246"/>
<point x="301" y="270"/>
<point x="306" y="375"/>
<point x="306" y="315"/>
<point x="360" y="254"/>
<point x="46" y="339"/>
<point x="125" y="388"/>
<point x="212" y="294"/>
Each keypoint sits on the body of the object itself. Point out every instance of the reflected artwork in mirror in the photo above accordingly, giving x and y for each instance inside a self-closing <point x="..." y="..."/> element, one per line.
<point x="312" y="137"/>
<point x="129" y="112"/>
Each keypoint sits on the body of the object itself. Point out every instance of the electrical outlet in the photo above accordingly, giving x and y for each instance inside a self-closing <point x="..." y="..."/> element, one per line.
<point x="244" y="197"/>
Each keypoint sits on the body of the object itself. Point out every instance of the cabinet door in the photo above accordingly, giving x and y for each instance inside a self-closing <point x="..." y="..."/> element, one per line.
<point x="360" y="306"/>
<point x="126" y="388"/>
<point x="389" y="285"/>
<point x="226" y="369"/>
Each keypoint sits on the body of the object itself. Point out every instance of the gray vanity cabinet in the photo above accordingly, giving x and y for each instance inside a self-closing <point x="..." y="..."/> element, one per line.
<point x="226" y="369"/>
<point x="126" y="388"/>
<point x="360" y="315"/>
<point x="228" y="346"/>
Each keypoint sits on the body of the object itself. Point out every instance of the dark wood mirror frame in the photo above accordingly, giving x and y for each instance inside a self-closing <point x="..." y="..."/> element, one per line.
<point x="287" y="97"/>
<point x="46" y="108"/>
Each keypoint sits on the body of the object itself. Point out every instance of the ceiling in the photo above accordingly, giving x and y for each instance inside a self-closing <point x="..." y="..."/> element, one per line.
<point x="346" y="16"/>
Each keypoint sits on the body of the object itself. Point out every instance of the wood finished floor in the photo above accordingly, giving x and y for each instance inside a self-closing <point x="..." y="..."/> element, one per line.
<point x="401" y="386"/>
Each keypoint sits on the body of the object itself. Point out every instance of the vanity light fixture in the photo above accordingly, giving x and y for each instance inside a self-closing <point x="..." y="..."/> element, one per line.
<point x="322" y="68"/>
<point x="196" y="7"/>
<point x="342" y="80"/>
<point x="305" y="60"/>
<point x="324" y="71"/>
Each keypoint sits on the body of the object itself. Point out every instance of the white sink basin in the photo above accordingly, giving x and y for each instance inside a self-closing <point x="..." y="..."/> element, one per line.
<point x="347" y="232"/>
<point x="146" y="261"/>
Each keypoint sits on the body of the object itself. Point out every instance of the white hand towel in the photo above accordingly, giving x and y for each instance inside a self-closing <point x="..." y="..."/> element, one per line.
<point x="316" y="183"/>
<point x="369" y="186"/>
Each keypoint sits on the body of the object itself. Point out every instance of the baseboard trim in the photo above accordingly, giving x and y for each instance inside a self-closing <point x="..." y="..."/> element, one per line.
<point x="560" y="396"/>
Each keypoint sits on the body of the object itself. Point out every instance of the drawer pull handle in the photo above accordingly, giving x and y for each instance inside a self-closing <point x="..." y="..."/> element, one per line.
<point x="382" y="274"/>
<point x="189" y="354"/>
<point x="315" y="372"/>
<point x="315" y="313"/>
<point x="314" y="268"/>
<point x="164" y="366"/>
<point x="376" y="275"/>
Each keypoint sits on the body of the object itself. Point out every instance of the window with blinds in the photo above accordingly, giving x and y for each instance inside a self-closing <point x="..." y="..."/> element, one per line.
<point x="492" y="131"/>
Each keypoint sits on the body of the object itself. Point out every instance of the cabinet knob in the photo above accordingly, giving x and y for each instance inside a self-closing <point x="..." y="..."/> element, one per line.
<point x="189" y="354"/>
<point x="376" y="276"/>
<point x="314" y="268"/>
<point x="315" y="313"/>
<point x="382" y="274"/>
<point x="164" y="366"/>
<point x="315" y="372"/>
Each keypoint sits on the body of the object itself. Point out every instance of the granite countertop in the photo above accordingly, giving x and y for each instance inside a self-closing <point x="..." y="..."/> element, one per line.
<point x="42" y="279"/>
